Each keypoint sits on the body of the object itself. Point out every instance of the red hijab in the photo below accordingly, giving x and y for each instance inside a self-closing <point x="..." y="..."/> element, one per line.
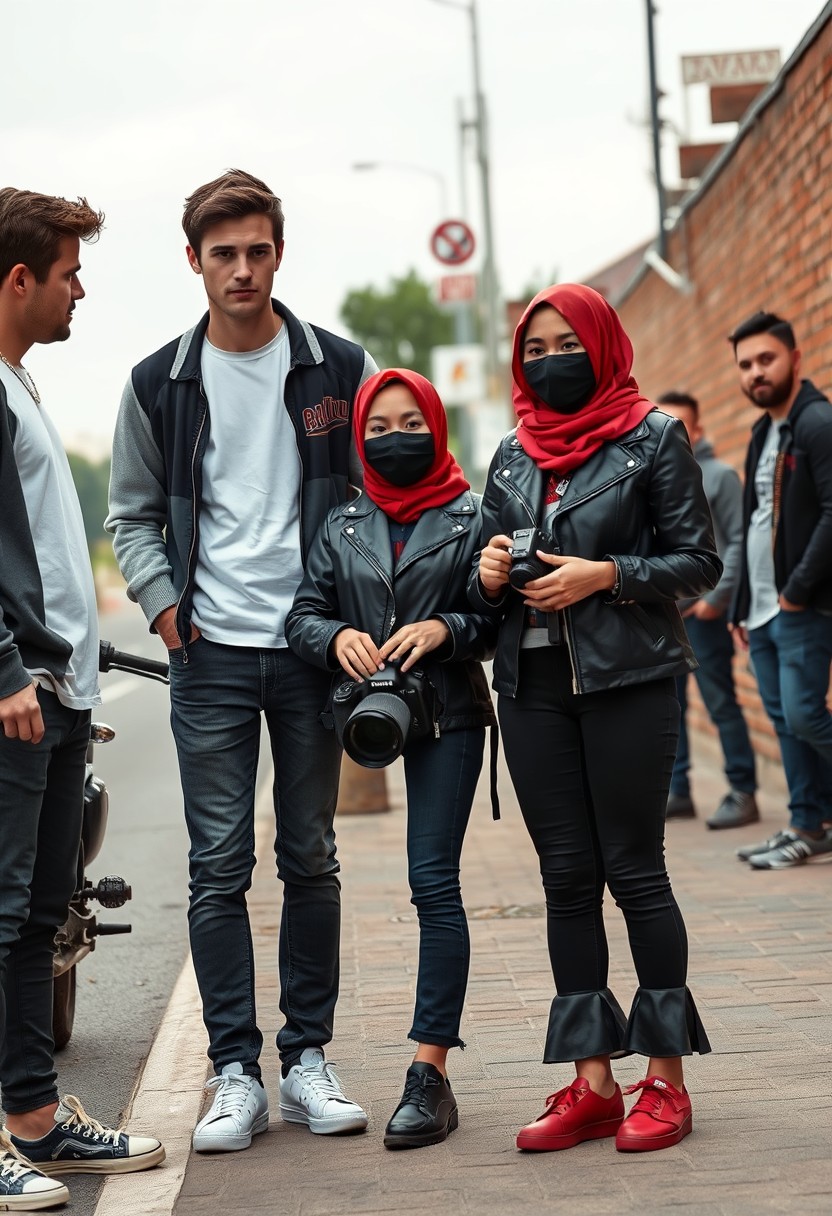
<point x="563" y="442"/>
<point x="444" y="480"/>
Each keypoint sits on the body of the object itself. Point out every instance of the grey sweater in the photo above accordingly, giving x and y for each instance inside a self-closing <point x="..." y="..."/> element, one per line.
<point x="723" y="490"/>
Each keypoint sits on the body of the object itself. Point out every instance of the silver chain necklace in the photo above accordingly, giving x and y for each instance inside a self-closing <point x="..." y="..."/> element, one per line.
<point x="27" y="381"/>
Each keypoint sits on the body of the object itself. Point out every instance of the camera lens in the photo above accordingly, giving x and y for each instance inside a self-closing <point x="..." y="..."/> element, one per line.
<point x="376" y="731"/>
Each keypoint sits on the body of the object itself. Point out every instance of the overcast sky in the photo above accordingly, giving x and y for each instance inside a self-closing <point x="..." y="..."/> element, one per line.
<point x="133" y="105"/>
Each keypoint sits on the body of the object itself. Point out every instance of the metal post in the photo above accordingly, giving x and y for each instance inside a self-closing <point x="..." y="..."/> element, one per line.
<point x="488" y="265"/>
<point x="656" y="125"/>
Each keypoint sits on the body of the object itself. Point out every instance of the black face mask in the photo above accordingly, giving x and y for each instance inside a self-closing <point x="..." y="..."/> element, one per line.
<point x="564" y="382"/>
<point x="400" y="458"/>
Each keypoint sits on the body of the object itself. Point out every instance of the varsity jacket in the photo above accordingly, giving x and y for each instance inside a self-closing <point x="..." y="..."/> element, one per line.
<point x="161" y="437"/>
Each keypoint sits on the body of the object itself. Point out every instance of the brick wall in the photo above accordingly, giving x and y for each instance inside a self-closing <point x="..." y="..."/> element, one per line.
<point x="759" y="236"/>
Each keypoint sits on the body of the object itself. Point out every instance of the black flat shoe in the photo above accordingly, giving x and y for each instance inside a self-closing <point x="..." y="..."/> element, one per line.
<point x="427" y="1111"/>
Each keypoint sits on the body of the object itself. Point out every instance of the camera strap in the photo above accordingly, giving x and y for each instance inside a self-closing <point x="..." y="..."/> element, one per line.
<point x="494" y="744"/>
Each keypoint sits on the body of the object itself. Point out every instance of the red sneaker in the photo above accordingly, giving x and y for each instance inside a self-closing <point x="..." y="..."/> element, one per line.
<point x="661" y="1117"/>
<point x="572" y="1115"/>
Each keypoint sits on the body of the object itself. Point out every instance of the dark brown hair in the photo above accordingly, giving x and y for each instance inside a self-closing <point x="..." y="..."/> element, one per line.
<point x="764" y="323"/>
<point x="680" y="400"/>
<point x="32" y="225"/>
<point x="233" y="194"/>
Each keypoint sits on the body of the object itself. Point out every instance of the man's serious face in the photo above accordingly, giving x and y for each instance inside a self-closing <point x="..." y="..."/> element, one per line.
<point x="238" y="260"/>
<point x="767" y="369"/>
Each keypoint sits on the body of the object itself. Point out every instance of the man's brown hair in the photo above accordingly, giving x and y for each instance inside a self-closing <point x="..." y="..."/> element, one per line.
<point x="233" y="194"/>
<point x="32" y="225"/>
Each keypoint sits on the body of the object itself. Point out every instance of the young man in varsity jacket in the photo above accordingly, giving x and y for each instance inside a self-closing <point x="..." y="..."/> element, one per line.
<point x="48" y="686"/>
<point x="232" y="444"/>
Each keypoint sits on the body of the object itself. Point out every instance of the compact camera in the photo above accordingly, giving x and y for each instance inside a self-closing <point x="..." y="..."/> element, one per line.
<point x="375" y="719"/>
<point x="525" y="564"/>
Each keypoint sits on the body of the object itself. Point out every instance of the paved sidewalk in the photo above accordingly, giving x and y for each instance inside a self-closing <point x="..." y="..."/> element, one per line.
<point x="761" y="970"/>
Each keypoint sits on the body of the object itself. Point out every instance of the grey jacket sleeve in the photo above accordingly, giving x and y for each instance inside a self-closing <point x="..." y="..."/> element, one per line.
<point x="726" y="507"/>
<point x="138" y="509"/>
<point x="356" y="469"/>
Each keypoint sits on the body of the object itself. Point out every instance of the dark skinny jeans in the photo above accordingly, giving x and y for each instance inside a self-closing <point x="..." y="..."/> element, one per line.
<point x="592" y="773"/>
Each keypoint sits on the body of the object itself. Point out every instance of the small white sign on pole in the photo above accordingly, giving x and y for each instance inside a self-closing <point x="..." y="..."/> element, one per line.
<point x="458" y="372"/>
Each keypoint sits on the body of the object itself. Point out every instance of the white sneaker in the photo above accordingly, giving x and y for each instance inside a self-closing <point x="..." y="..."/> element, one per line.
<point x="22" y="1187"/>
<point x="239" y="1111"/>
<point x="312" y="1094"/>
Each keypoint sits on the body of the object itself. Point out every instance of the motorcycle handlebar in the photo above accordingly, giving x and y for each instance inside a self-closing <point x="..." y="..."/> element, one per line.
<point x="110" y="659"/>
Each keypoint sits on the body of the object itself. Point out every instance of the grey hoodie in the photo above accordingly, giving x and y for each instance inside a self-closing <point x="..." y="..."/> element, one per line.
<point x="723" y="490"/>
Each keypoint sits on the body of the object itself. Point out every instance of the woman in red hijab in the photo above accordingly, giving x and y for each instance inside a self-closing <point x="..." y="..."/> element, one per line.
<point x="385" y="592"/>
<point x="594" y="525"/>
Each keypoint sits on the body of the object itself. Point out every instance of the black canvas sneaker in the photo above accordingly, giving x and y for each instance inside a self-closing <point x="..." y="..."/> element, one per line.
<point x="79" y="1144"/>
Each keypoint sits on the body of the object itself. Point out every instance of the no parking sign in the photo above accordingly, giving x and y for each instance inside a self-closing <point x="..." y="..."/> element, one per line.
<point x="452" y="242"/>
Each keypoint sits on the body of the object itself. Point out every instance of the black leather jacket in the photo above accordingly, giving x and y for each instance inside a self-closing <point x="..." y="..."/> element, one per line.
<point x="638" y="500"/>
<point x="349" y="581"/>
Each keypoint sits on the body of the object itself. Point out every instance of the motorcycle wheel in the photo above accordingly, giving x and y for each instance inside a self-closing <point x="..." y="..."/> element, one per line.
<point x="63" y="1007"/>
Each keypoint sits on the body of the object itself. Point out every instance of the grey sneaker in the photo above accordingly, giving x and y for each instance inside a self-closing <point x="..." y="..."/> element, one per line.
<point x="735" y="811"/>
<point x="239" y="1111"/>
<point x="794" y="851"/>
<point x="22" y="1187"/>
<point x="765" y="846"/>
<point x="311" y="1093"/>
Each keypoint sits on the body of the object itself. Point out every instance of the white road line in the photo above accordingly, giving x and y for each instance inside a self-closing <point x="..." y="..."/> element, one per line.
<point x="168" y="1095"/>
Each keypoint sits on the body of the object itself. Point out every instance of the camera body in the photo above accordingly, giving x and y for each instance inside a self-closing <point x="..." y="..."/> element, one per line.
<point x="375" y="719"/>
<point x="525" y="564"/>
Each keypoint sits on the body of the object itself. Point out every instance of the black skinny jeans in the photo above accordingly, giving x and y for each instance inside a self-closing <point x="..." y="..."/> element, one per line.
<point x="592" y="773"/>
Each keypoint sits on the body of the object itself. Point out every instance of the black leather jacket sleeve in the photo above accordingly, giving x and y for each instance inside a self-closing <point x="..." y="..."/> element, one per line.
<point x="313" y="619"/>
<point x="492" y="525"/>
<point x="815" y="565"/>
<point x="683" y="563"/>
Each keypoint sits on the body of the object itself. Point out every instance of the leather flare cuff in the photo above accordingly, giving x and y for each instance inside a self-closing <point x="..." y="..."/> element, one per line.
<point x="665" y="1022"/>
<point x="584" y="1024"/>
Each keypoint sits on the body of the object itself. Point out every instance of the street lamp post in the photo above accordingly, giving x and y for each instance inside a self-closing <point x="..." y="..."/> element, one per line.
<point x="655" y="123"/>
<point x="364" y="166"/>
<point x="489" y="272"/>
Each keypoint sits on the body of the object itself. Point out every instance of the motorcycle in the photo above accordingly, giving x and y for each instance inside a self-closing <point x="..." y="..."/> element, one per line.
<point x="78" y="936"/>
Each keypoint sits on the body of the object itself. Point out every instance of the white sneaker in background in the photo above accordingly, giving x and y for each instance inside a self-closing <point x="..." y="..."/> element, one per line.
<point x="312" y="1094"/>
<point x="239" y="1111"/>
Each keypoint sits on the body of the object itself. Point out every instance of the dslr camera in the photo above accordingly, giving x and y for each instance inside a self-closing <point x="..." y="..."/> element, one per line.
<point x="525" y="564"/>
<point x="375" y="719"/>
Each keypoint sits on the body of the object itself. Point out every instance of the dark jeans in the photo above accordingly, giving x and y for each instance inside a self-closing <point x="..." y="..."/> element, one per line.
<point x="592" y="774"/>
<point x="714" y="650"/>
<point x="791" y="655"/>
<point x="441" y="777"/>
<point x="216" y="702"/>
<point x="41" y="806"/>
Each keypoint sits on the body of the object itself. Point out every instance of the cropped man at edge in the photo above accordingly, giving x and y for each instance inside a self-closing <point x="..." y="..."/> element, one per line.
<point x="783" y="608"/>
<point x="232" y="444"/>
<point x="48" y="686"/>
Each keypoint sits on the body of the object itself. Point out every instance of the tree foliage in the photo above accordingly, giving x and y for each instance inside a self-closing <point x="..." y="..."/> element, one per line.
<point x="92" y="482"/>
<point x="399" y="326"/>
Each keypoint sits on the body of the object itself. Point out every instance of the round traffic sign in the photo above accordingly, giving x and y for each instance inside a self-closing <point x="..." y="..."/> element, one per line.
<point x="452" y="242"/>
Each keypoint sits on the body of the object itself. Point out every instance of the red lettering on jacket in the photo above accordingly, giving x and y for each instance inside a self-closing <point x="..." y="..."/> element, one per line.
<point x="320" y="419"/>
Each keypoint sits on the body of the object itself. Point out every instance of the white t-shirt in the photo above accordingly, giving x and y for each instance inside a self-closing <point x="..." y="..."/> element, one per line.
<point x="63" y="559"/>
<point x="764" y="599"/>
<point x="249" y="563"/>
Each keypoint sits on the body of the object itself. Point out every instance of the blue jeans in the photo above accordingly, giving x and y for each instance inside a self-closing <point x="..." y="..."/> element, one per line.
<point x="41" y="807"/>
<point x="714" y="650"/>
<point x="791" y="655"/>
<point x="441" y="777"/>
<point x="216" y="702"/>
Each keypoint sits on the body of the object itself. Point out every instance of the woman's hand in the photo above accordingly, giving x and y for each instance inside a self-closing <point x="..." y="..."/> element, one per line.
<point x="495" y="563"/>
<point x="357" y="653"/>
<point x="573" y="579"/>
<point x="419" y="638"/>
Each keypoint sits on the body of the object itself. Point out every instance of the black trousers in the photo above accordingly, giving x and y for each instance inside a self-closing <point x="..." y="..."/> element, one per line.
<point x="592" y="774"/>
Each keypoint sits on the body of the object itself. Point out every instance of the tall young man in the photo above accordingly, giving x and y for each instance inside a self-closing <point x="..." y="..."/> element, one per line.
<point x="232" y="443"/>
<point x="48" y="685"/>
<point x="783" y="607"/>
<point x="706" y="621"/>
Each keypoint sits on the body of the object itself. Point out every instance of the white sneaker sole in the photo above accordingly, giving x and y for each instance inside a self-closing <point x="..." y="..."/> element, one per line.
<point x="214" y="1142"/>
<point x="331" y="1126"/>
<point x="117" y="1165"/>
<point x="32" y="1202"/>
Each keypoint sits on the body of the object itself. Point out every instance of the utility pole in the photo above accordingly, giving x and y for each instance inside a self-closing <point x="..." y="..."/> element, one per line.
<point x="655" y="123"/>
